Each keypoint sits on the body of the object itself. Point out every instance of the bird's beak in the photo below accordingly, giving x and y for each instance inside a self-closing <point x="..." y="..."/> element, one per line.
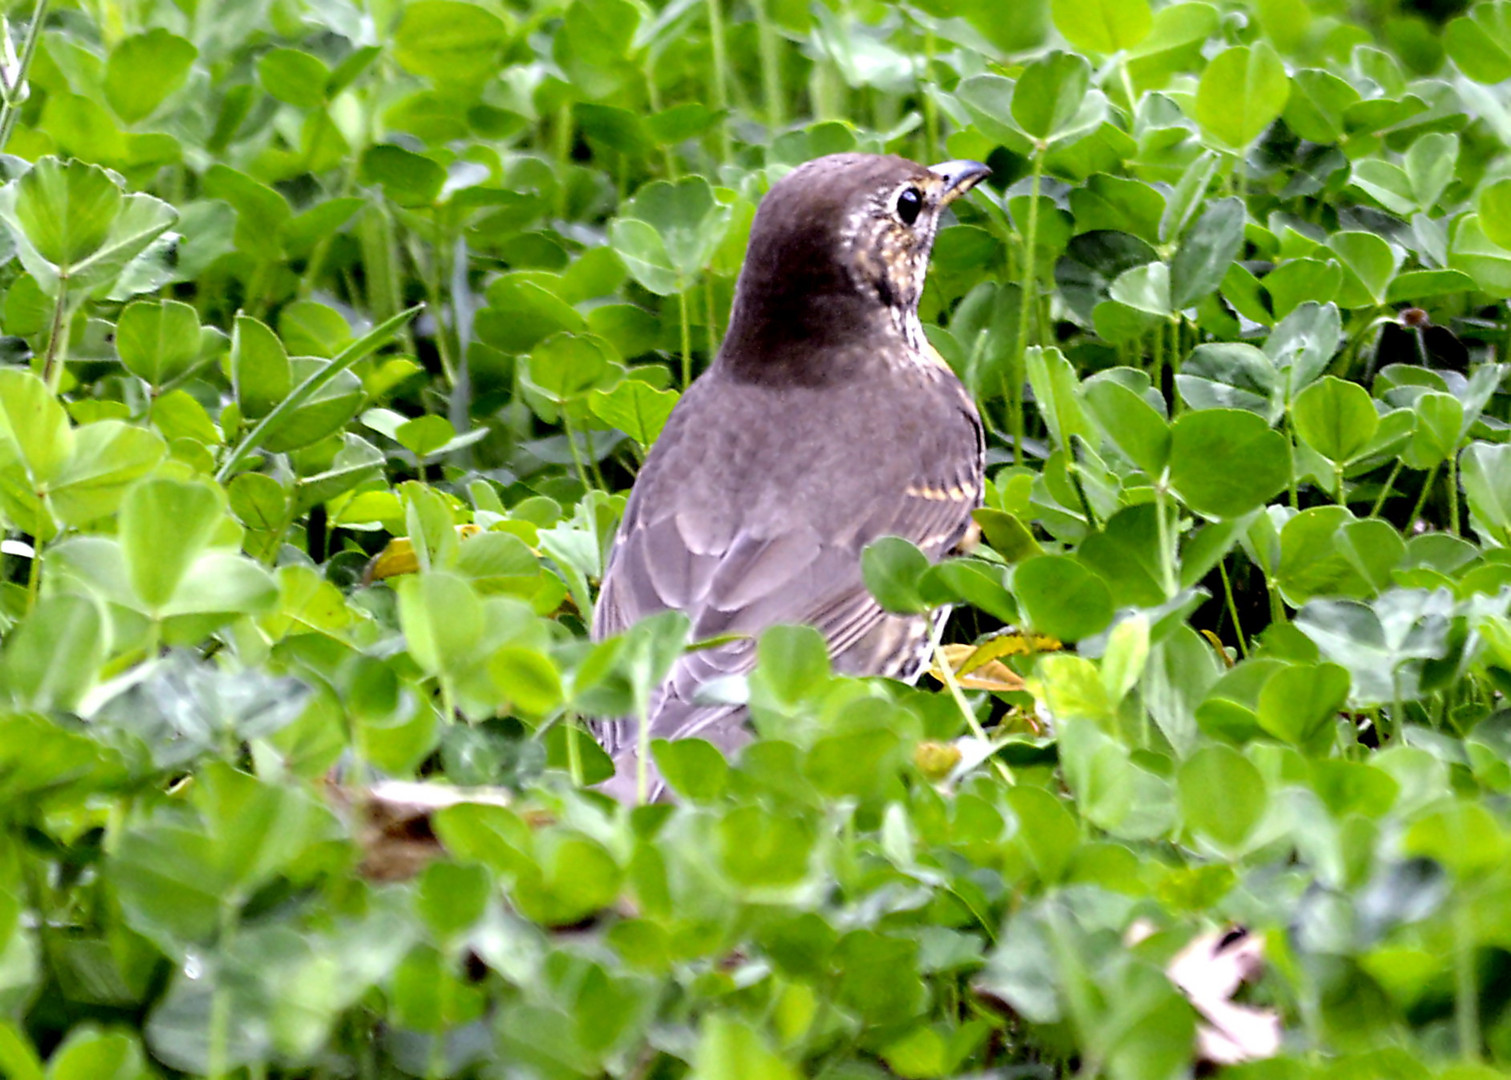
<point x="959" y="177"/>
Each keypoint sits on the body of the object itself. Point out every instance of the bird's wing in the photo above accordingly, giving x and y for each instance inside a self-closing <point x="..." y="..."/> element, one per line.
<point x="769" y="562"/>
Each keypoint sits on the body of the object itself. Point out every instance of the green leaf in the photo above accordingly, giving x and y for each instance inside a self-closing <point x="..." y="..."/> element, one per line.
<point x="35" y="426"/>
<point x="988" y="99"/>
<point x="1061" y="597"/>
<point x="108" y="456"/>
<point x="527" y="681"/>
<point x="407" y="178"/>
<point x="260" y="211"/>
<point x="1494" y="205"/>
<point x="54" y="656"/>
<point x="1053" y="100"/>
<point x="1231" y="375"/>
<point x="730" y="1050"/>
<point x="158" y="340"/>
<point x="442" y="620"/>
<point x="317" y="381"/>
<point x="1335" y="418"/>
<point x="1129" y="422"/>
<point x="451" y="898"/>
<point x="143" y="70"/>
<point x="1299" y="281"/>
<point x="1485" y="472"/>
<point x="694" y="768"/>
<point x="893" y="569"/>
<point x="688" y="221"/>
<point x="1102" y="26"/>
<point x="164" y="526"/>
<point x="449" y="41"/>
<point x="1206" y="252"/>
<point x="1222" y="796"/>
<point x="566" y="366"/>
<point x="1369" y="264"/>
<point x="71" y="222"/>
<point x="760" y="849"/>
<point x="294" y="77"/>
<point x="1473" y="252"/>
<point x="1439" y="426"/>
<point x="1242" y="91"/>
<point x="1430" y="166"/>
<point x="1226" y="462"/>
<point x="1300" y="702"/>
<point x="1480" y="42"/>
<point x="64" y="211"/>
<point x="635" y="408"/>
<point x="1054" y="385"/>
<point x="260" y="372"/>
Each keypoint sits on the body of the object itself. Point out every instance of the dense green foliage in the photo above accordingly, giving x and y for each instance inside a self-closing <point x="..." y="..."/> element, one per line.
<point x="1238" y="289"/>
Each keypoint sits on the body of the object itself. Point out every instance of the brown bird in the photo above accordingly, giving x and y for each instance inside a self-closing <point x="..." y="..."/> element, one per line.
<point x="826" y="421"/>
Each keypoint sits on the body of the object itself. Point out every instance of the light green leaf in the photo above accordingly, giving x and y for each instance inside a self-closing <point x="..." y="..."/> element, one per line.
<point x="1242" y="92"/>
<point x="1102" y="26"/>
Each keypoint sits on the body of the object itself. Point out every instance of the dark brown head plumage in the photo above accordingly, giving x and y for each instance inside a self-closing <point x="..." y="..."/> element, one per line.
<point x="825" y="422"/>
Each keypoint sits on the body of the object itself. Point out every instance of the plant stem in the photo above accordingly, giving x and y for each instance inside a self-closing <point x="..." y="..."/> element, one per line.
<point x="1466" y="1005"/>
<point x="220" y="997"/>
<point x="1025" y="308"/>
<point x="10" y="109"/>
<point x="710" y="318"/>
<point x="574" y="752"/>
<point x="1166" y="548"/>
<point x="1416" y="511"/>
<point x="947" y="674"/>
<point x="687" y="337"/>
<point x="57" y="339"/>
<point x="1128" y="89"/>
<point x="930" y="107"/>
<point x="571" y="433"/>
<point x="1227" y="589"/>
<point x="769" y="44"/>
<point x="1453" y="494"/>
<point x="720" y="76"/>
<point x="1390" y="483"/>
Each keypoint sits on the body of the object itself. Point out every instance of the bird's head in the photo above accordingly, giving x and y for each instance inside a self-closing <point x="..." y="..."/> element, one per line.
<point x="838" y="252"/>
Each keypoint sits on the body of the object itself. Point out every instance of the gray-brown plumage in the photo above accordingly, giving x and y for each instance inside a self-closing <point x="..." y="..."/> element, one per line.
<point x="825" y="422"/>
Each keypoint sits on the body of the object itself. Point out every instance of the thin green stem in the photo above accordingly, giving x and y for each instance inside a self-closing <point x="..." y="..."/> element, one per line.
<point x="720" y="86"/>
<point x="574" y="752"/>
<point x="1227" y="591"/>
<point x="1025" y="308"/>
<point x="368" y="343"/>
<point x="1166" y="547"/>
<point x="1390" y="483"/>
<point x="947" y="674"/>
<point x="10" y="109"/>
<point x="930" y="107"/>
<point x="56" y="352"/>
<point x="687" y="337"/>
<point x="710" y="318"/>
<point x="571" y="432"/>
<point x="220" y="998"/>
<point x="1466" y="984"/>
<point x="768" y="42"/>
<point x="1128" y="89"/>
<point x="1453" y="494"/>
<point x="1416" y="511"/>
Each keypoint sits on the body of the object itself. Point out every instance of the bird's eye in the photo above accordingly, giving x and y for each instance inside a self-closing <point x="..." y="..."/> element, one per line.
<point x="909" y="203"/>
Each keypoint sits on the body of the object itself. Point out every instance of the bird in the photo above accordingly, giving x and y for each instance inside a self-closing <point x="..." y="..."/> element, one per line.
<point x="825" y="421"/>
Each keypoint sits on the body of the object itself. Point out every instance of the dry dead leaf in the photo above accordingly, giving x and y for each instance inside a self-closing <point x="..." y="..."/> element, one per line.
<point x="988" y="675"/>
<point x="1209" y="970"/>
<point x="398" y="556"/>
